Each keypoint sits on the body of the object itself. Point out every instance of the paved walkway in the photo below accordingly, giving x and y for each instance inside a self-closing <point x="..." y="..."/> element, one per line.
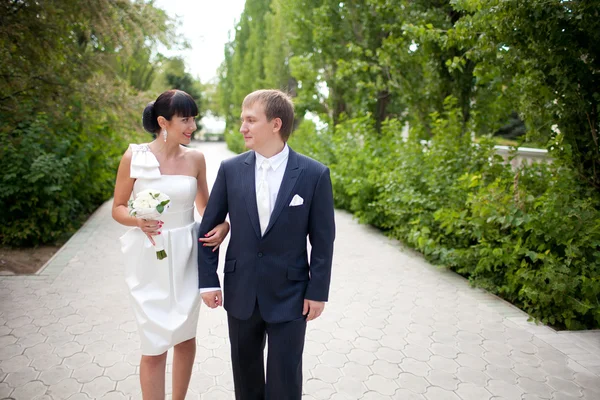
<point x="395" y="328"/>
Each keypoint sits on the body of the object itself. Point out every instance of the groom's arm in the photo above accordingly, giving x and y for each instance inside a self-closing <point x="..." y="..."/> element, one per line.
<point x="321" y="233"/>
<point x="215" y="213"/>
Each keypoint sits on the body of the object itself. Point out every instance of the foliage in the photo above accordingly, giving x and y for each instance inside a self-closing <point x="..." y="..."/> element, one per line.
<point x="548" y="54"/>
<point x="70" y="76"/>
<point x="530" y="236"/>
<point x="454" y="71"/>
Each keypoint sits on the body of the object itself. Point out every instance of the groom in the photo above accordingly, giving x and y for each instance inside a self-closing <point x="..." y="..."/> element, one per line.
<point x="275" y="199"/>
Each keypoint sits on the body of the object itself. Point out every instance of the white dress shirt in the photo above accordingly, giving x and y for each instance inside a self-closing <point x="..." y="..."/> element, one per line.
<point x="274" y="178"/>
<point x="274" y="173"/>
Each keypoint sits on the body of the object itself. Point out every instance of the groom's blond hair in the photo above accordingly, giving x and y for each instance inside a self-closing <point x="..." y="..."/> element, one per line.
<point x="277" y="104"/>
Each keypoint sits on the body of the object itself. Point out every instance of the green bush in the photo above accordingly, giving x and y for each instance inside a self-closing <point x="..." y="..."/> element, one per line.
<point x="55" y="174"/>
<point x="530" y="236"/>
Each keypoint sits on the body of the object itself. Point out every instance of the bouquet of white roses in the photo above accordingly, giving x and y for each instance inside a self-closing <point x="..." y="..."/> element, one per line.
<point x="150" y="204"/>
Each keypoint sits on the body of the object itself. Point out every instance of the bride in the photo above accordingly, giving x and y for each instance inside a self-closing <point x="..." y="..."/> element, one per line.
<point x="164" y="293"/>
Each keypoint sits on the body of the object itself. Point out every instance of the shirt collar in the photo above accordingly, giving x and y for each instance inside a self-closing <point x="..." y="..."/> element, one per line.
<point x="276" y="160"/>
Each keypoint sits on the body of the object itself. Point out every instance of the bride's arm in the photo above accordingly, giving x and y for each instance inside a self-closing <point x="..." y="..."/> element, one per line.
<point x="123" y="189"/>
<point x="202" y="192"/>
<point x="215" y="237"/>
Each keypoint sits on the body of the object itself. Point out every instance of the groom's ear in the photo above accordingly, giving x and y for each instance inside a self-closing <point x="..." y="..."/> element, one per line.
<point x="276" y="124"/>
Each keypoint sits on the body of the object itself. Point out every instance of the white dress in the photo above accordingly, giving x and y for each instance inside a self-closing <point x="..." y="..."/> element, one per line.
<point x="164" y="293"/>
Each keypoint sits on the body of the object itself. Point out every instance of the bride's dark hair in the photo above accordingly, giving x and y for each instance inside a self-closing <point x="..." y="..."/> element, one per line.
<point x="170" y="103"/>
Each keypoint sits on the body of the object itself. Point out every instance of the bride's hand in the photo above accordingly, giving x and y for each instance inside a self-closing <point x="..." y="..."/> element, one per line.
<point x="150" y="227"/>
<point x="215" y="237"/>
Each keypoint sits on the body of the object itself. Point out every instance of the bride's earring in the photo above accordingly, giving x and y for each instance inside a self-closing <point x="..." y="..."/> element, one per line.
<point x="164" y="132"/>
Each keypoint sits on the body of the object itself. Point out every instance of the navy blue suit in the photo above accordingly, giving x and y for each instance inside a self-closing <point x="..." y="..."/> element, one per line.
<point x="268" y="277"/>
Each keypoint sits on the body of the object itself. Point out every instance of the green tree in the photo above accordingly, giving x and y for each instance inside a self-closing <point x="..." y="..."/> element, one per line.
<point x="548" y="50"/>
<point x="70" y="75"/>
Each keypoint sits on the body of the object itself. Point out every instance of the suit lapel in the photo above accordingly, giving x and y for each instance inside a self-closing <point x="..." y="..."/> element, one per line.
<point x="249" y="184"/>
<point x="290" y="177"/>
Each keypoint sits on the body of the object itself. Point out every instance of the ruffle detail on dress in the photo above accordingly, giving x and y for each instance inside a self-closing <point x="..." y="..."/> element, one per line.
<point x="143" y="163"/>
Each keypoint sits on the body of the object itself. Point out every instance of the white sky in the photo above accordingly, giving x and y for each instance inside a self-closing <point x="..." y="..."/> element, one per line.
<point x="205" y="24"/>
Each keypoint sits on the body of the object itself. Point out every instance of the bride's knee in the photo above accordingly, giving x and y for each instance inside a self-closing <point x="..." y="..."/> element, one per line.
<point x="154" y="361"/>
<point x="186" y="345"/>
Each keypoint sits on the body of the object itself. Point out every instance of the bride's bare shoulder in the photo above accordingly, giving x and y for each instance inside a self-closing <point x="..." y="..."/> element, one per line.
<point x="195" y="155"/>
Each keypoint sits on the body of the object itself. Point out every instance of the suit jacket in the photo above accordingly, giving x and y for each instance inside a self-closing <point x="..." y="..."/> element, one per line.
<point x="273" y="269"/>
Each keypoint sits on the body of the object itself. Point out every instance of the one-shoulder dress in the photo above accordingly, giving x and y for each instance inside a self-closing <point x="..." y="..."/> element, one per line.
<point x="164" y="293"/>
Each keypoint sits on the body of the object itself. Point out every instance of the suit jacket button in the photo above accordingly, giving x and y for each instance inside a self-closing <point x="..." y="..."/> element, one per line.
<point x="260" y="254"/>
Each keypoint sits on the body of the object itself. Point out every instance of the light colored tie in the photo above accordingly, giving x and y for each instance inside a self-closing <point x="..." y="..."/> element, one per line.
<point x="263" y="197"/>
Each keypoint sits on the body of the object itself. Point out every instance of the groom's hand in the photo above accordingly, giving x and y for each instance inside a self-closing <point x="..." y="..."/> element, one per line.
<point x="213" y="299"/>
<point x="313" y="309"/>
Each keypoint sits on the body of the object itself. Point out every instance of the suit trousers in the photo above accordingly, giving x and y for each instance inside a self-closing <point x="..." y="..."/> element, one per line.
<point x="284" y="359"/>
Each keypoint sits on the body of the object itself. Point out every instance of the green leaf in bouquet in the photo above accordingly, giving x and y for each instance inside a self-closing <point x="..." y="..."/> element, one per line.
<point x="160" y="208"/>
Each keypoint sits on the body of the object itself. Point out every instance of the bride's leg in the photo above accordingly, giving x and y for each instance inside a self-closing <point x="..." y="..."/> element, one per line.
<point x="183" y="362"/>
<point x="152" y="376"/>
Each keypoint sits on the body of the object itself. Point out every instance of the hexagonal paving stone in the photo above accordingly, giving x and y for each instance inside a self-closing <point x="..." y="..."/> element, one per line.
<point x="77" y="360"/>
<point x="498" y="359"/>
<point x="5" y="390"/>
<point x="393" y="341"/>
<point x="99" y="387"/>
<point x="390" y="355"/>
<point x="413" y="383"/>
<point x="504" y="389"/>
<point x="564" y="387"/>
<point x="470" y="391"/>
<point x="361" y="357"/>
<point x="97" y="348"/>
<point x="386" y="369"/>
<point x="214" y="366"/>
<point x="217" y="394"/>
<point x="405" y="394"/>
<point x="356" y="371"/>
<point x="350" y="386"/>
<point x="18" y="322"/>
<point x="108" y="359"/>
<point x="21" y="377"/>
<point x="443" y="379"/>
<point x="32" y="339"/>
<point x="334" y="359"/>
<point x="30" y="390"/>
<point x="366" y="344"/>
<point x="557" y="369"/>
<point x="319" y="389"/>
<point x="370" y="332"/>
<point x="469" y="375"/>
<point x="436" y="393"/>
<point x="313" y="348"/>
<point x="88" y="373"/>
<point x="326" y="373"/>
<point x="226" y="381"/>
<point x="68" y="349"/>
<point x="7" y="339"/>
<point x="64" y="389"/>
<point x="120" y="371"/>
<point x="467" y="360"/>
<point x="381" y="385"/>
<point x="538" y="388"/>
<point x="130" y="386"/>
<point x="339" y="346"/>
<point x="444" y="350"/>
<point x="8" y="352"/>
<point x="526" y="371"/>
<point x="416" y="352"/>
<point x="374" y="396"/>
<point x="15" y="364"/>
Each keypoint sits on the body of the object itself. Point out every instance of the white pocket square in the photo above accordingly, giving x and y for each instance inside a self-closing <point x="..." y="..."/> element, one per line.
<point x="296" y="201"/>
